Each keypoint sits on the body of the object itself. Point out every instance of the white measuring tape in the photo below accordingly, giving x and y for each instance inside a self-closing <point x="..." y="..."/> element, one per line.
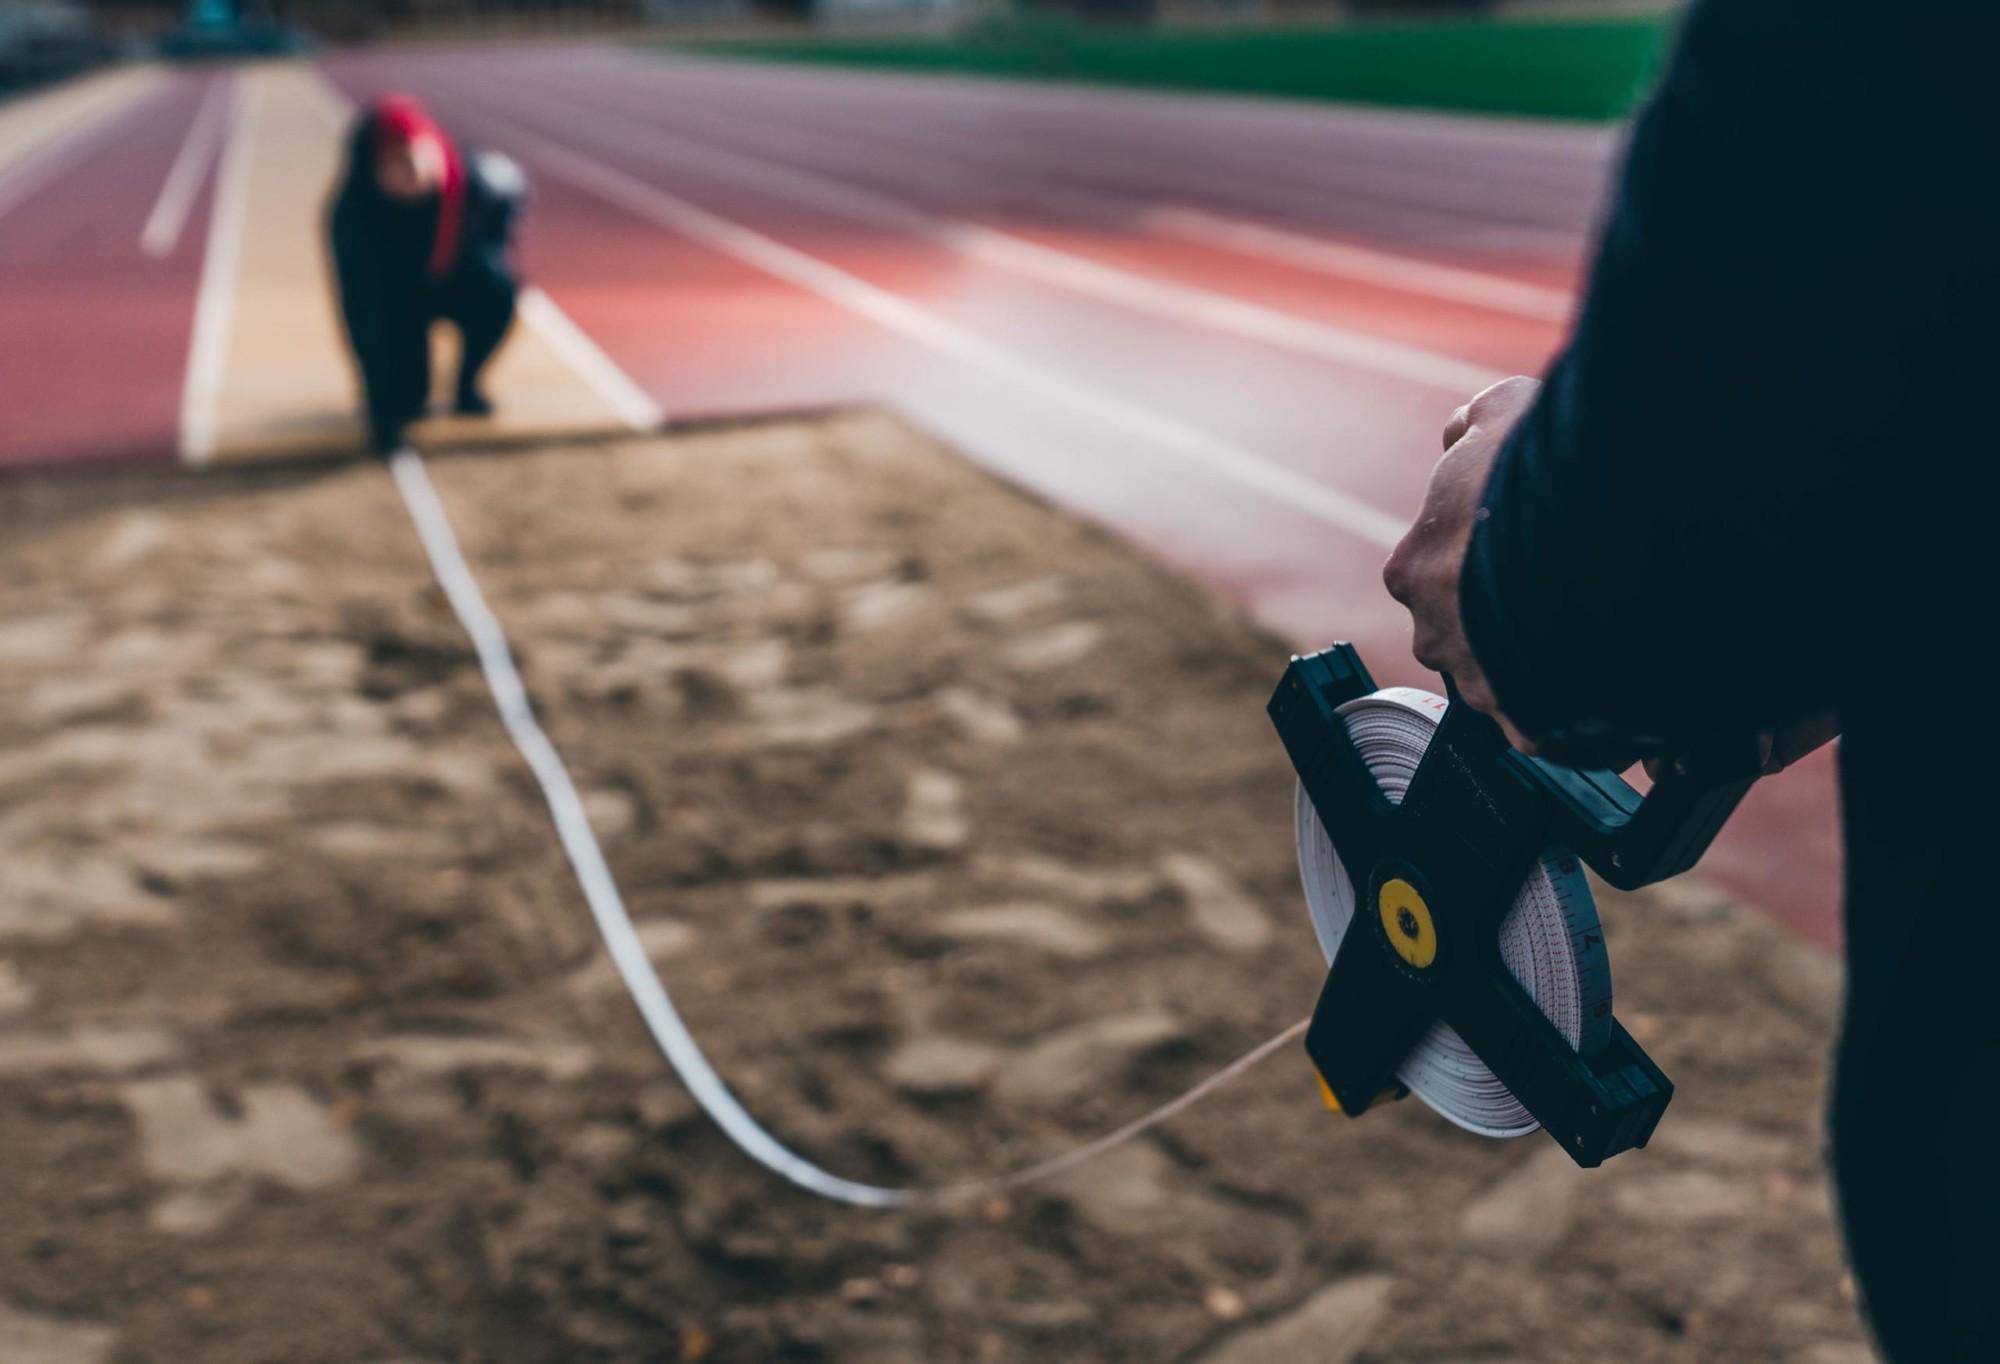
<point x="1551" y="939"/>
<point x="614" y="923"/>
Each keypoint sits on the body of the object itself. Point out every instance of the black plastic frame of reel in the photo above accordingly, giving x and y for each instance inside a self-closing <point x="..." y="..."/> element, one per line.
<point x="1476" y="817"/>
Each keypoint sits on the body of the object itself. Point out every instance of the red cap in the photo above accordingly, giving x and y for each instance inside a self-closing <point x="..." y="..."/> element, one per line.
<point x="401" y="121"/>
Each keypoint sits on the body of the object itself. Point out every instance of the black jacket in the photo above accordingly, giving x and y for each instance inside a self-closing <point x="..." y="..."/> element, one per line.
<point x="382" y="247"/>
<point x="1758" y="484"/>
<point x="382" y="252"/>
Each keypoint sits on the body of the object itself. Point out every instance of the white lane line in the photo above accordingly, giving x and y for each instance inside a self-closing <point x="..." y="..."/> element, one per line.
<point x="37" y="122"/>
<point x="1182" y="303"/>
<point x="1386" y="269"/>
<point x="925" y="133"/>
<point x="1220" y="312"/>
<point x="1343" y="260"/>
<point x="897" y="314"/>
<point x="574" y="346"/>
<point x="49" y="161"/>
<point x="630" y="403"/>
<point x="162" y="232"/>
<point x="215" y="302"/>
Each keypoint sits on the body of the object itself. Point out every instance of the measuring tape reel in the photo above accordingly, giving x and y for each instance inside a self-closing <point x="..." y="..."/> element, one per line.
<point x="1442" y="871"/>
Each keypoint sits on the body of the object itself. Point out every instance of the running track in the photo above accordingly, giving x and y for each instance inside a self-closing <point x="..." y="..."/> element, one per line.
<point x="1231" y="330"/>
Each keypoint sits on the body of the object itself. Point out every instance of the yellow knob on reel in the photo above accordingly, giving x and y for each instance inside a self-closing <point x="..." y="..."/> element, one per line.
<point x="1407" y="920"/>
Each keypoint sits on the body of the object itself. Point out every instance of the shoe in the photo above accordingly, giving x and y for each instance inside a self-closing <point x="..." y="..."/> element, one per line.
<point x="472" y="403"/>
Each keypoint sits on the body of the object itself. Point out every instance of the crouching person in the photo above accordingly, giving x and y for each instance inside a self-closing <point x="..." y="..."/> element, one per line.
<point x="421" y="234"/>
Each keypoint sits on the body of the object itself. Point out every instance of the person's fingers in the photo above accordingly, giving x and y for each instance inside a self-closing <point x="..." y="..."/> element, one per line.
<point x="1521" y="742"/>
<point x="1458" y="425"/>
<point x="1422" y="570"/>
<point x="1440" y="525"/>
<point x="1427" y="647"/>
<point x="1506" y="398"/>
<point x="1398" y="573"/>
<point x="1436" y="639"/>
<point x="1483" y="701"/>
<point x="1475" y="691"/>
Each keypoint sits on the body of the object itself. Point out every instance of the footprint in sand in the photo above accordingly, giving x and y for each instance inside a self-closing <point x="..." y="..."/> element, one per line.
<point x="1056" y="647"/>
<point x="1017" y="601"/>
<point x="979" y="716"/>
<point x="934" y="817"/>
<point x="31" y="1338"/>
<point x="209" y="1159"/>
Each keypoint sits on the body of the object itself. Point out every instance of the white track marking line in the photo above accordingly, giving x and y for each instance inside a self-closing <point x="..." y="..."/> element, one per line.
<point x="1220" y="312"/>
<point x="38" y="122"/>
<point x="215" y="302"/>
<point x="1183" y="303"/>
<point x="915" y="135"/>
<point x="632" y="404"/>
<point x="42" y="168"/>
<point x="1388" y="269"/>
<point x="162" y="232"/>
<point x="1361" y="519"/>
<point x="572" y="344"/>
<point x="56" y="155"/>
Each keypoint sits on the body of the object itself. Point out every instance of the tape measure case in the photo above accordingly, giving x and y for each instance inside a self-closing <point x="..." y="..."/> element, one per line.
<point x="1466" y="964"/>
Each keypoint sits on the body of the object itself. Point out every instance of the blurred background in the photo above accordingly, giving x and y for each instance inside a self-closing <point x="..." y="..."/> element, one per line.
<point x="925" y="430"/>
<point x="1195" y="42"/>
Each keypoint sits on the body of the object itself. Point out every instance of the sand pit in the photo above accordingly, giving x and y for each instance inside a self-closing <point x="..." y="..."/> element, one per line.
<point x="957" y="831"/>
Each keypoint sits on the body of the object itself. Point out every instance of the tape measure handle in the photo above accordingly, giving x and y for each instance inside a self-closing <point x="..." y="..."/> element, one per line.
<point x="1632" y="840"/>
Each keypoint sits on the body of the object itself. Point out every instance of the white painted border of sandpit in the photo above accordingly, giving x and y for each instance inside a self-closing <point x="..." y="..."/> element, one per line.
<point x="632" y="404"/>
<point x="162" y="232"/>
<point x="221" y="268"/>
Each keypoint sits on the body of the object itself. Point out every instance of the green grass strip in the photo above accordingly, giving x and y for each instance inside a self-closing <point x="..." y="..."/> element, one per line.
<point x="1580" y="69"/>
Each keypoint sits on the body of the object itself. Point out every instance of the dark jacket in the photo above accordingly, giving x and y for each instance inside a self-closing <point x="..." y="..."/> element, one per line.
<point x="382" y="251"/>
<point x="1759" y="484"/>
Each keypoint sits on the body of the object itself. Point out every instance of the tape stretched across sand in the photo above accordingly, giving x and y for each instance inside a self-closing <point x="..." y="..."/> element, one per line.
<point x="628" y="953"/>
<point x="268" y="370"/>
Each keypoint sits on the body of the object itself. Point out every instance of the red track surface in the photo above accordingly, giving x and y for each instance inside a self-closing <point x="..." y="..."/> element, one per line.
<point x="94" y="334"/>
<point x="773" y="150"/>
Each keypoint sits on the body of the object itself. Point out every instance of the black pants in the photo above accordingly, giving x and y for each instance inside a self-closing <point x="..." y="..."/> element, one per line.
<point x="478" y="299"/>
<point x="1916" y="1104"/>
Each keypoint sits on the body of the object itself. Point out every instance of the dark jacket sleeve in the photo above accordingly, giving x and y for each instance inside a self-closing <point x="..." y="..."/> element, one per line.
<point x="356" y="278"/>
<point x="1681" y="538"/>
<point x="368" y="307"/>
<point x="496" y="192"/>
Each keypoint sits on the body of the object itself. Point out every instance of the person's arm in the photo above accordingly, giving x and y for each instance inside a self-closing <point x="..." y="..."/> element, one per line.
<point x="359" y="283"/>
<point x="498" y="191"/>
<point x="1671" y="544"/>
